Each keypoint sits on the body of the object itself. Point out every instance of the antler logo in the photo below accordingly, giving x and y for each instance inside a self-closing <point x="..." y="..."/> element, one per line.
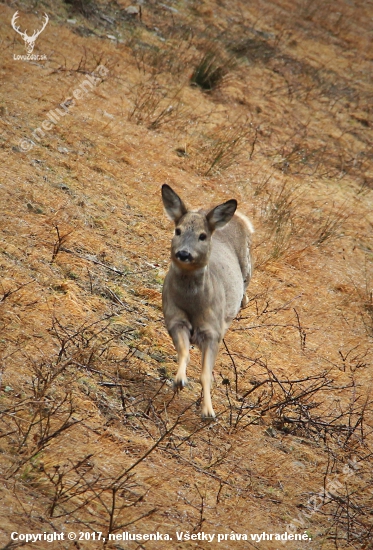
<point x="29" y="40"/>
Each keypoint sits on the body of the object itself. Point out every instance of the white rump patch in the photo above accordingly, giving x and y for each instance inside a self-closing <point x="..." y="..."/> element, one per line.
<point x="246" y="221"/>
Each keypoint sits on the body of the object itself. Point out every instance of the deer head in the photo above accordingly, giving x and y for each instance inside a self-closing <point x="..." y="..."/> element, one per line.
<point x="29" y="40"/>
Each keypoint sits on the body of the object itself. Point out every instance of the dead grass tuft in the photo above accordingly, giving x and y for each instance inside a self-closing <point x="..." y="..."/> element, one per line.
<point x="211" y="70"/>
<point x="156" y="106"/>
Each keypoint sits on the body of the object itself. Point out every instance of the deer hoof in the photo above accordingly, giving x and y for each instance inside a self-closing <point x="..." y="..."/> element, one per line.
<point x="179" y="384"/>
<point x="208" y="414"/>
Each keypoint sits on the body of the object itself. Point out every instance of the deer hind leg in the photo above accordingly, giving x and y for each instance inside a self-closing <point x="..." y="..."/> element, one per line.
<point x="245" y="300"/>
<point x="181" y="339"/>
<point x="247" y="277"/>
<point x="209" y="353"/>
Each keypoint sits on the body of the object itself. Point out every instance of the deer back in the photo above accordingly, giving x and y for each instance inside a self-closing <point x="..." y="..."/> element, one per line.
<point x="230" y="261"/>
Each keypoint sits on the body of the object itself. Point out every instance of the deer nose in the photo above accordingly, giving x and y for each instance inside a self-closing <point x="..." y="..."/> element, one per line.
<point x="184" y="256"/>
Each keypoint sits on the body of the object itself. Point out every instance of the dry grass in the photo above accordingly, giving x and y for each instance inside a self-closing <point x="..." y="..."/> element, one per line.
<point x="211" y="69"/>
<point x="156" y="106"/>
<point x="93" y="437"/>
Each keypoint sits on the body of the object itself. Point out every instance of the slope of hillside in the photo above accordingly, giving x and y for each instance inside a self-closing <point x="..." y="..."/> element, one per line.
<point x="267" y="102"/>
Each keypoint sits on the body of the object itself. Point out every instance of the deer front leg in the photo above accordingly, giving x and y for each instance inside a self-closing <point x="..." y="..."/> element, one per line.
<point x="209" y="353"/>
<point x="181" y="338"/>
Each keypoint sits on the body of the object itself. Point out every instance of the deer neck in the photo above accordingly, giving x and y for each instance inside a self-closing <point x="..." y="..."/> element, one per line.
<point x="196" y="280"/>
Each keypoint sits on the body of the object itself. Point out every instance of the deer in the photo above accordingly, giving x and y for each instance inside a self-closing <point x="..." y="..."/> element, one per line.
<point x="206" y="283"/>
<point x="29" y="40"/>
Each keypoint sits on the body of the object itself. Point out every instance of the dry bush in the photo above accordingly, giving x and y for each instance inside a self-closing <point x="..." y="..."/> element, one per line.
<point x="215" y="148"/>
<point x="331" y="226"/>
<point x="156" y="106"/>
<point x="287" y="231"/>
<point x="279" y="213"/>
<point x="308" y="407"/>
<point x="34" y="420"/>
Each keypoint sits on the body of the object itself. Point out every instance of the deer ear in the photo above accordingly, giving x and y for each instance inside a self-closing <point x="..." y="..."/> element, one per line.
<point x="174" y="206"/>
<point x="222" y="214"/>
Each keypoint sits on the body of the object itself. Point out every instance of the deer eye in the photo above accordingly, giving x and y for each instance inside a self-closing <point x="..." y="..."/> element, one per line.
<point x="202" y="237"/>
<point x="177" y="231"/>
